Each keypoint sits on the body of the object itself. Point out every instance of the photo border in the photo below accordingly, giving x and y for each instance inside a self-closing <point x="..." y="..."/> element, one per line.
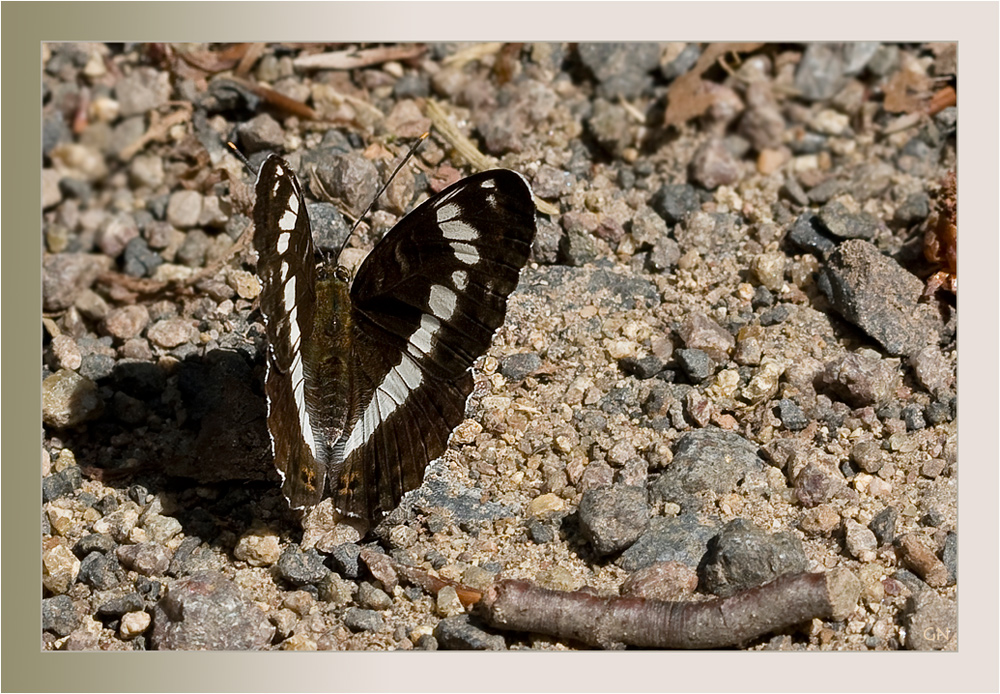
<point x="972" y="24"/>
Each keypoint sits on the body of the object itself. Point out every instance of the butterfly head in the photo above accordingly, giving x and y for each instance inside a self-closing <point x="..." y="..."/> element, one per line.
<point x="327" y="271"/>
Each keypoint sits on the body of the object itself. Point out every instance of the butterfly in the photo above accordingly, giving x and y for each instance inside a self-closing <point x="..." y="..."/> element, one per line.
<point x="366" y="379"/>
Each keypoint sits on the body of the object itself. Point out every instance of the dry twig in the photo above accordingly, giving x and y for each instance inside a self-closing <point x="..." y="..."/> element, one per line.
<point x="618" y="622"/>
<point x="354" y="58"/>
<point x="467" y="149"/>
<point x="158" y="130"/>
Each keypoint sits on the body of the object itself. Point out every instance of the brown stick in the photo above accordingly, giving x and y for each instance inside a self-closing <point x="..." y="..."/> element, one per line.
<point x="619" y="622"/>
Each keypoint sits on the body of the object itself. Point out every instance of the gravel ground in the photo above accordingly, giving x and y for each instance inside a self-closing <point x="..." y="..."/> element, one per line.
<point x="720" y="366"/>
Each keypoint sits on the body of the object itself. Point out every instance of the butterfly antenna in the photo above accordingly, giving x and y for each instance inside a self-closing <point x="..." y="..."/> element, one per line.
<point x="385" y="185"/>
<point x="239" y="155"/>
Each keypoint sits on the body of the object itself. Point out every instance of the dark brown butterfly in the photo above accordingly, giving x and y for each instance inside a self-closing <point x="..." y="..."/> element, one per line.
<point x="367" y="379"/>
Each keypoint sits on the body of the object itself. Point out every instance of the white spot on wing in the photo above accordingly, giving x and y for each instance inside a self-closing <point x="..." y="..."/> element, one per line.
<point x="491" y="200"/>
<point x="293" y="328"/>
<point x="283" y="240"/>
<point x="455" y="230"/>
<point x="421" y="338"/>
<point x="284" y="271"/>
<point x="293" y="204"/>
<point x="489" y="183"/>
<point x="466" y="253"/>
<point x="401" y="380"/>
<point x="299" y="391"/>
<point x="290" y="294"/>
<point x="460" y="279"/>
<point x="446" y="212"/>
<point x="287" y="221"/>
<point x="442" y="302"/>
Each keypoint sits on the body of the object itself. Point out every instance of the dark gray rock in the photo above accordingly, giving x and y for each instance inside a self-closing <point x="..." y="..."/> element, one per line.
<point x="762" y="298"/>
<point x="675" y="201"/>
<point x="610" y="126"/>
<point x="329" y="228"/>
<point x="791" y="415"/>
<point x="206" y="611"/>
<point x="806" y="234"/>
<point x="914" y="209"/>
<point x="622" y="70"/>
<point x="695" y="363"/>
<point x="121" y="604"/>
<point x="778" y="314"/>
<point x="540" y="533"/>
<point x="517" y="367"/>
<point x="845" y="224"/>
<point x="949" y="555"/>
<point x="874" y="293"/>
<point x="100" y="571"/>
<point x="345" y="559"/>
<point x="684" y="61"/>
<point x="301" y="568"/>
<point x="458" y="634"/>
<point x="548" y="241"/>
<point x="180" y="563"/>
<point x="59" y="615"/>
<point x="913" y="415"/>
<point x="708" y="459"/>
<point x="683" y="539"/>
<point x="744" y="556"/>
<point x="351" y="178"/>
<point x="357" y="619"/>
<point x="61" y="483"/>
<point x="262" y="132"/>
<point x="96" y="367"/>
<point x="612" y="518"/>
<point x="139" y="259"/>
<point x="95" y="542"/>
<point x="577" y="246"/>
<point x="464" y="506"/>
<point x="641" y="367"/>
<point x="623" y="291"/>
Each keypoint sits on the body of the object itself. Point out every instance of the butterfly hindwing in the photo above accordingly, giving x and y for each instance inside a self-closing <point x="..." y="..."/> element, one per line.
<point x="285" y="264"/>
<point x="364" y="388"/>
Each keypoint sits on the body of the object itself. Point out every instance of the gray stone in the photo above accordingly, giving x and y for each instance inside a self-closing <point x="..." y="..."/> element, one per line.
<point x="874" y="293"/>
<point x="207" y="612"/>
<point x="612" y="518"/>
<point x="931" y="622"/>
<point x="457" y="634"/>
<point x="744" y="556"/>
<point x="683" y="539"/>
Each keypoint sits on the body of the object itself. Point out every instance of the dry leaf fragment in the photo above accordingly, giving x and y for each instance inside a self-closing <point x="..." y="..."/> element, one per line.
<point x="688" y="96"/>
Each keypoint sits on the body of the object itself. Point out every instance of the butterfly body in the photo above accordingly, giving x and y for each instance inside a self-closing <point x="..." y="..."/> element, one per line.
<point x="367" y="379"/>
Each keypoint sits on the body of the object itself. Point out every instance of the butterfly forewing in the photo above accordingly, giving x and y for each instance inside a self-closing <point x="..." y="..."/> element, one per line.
<point x="435" y="289"/>
<point x="385" y="369"/>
